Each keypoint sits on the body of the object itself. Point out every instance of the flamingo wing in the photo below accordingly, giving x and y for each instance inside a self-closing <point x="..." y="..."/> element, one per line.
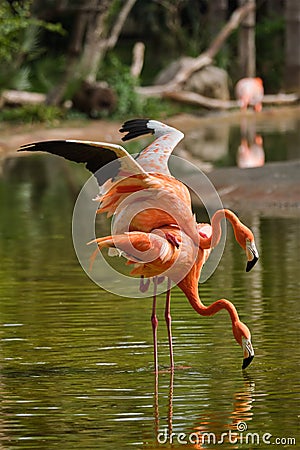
<point x="134" y="244"/>
<point x="153" y="158"/>
<point x="95" y="155"/>
<point x="135" y="128"/>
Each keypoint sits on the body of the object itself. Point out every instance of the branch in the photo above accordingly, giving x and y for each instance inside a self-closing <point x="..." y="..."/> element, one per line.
<point x="213" y="103"/>
<point x="117" y="28"/>
<point x="19" y="98"/>
<point x="280" y="99"/>
<point x="235" y="20"/>
<point x="193" y="98"/>
<point x="137" y="59"/>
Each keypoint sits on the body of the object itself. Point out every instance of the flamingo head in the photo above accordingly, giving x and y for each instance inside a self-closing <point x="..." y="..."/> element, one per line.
<point x="243" y="337"/>
<point x="245" y="238"/>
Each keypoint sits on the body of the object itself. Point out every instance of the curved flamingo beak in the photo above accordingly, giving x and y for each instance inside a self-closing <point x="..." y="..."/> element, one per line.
<point x="248" y="352"/>
<point x="252" y="255"/>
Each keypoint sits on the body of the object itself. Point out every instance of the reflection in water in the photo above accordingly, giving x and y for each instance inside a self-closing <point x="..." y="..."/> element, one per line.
<point x="251" y="154"/>
<point x="251" y="151"/>
<point x="208" y="429"/>
<point x="216" y="141"/>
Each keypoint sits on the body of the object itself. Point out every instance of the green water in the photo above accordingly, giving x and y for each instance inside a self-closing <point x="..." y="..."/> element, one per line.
<point x="76" y="366"/>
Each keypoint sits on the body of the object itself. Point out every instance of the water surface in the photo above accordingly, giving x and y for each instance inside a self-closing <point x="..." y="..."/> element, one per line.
<point x="76" y="364"/>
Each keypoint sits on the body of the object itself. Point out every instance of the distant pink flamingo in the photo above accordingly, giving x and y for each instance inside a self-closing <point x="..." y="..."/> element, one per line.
<point x="250" y="92"/>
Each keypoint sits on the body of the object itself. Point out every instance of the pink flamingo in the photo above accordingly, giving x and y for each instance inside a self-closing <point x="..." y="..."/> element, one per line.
<point x="127" y="175"/>
<point x="250" y="91"/>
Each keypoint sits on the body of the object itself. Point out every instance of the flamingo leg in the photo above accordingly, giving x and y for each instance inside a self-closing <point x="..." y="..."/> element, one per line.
<point x="168" y="319"/>
<point x="154" y="323"/>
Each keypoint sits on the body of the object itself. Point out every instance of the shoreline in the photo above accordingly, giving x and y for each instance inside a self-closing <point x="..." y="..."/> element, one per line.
<point x="271" y="189"/>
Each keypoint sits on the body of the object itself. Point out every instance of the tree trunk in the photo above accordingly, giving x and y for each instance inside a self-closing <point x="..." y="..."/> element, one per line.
<point x="96" y="34"/>
<point x="99" y="38"/>
<point x="292" y="48"/>
<point x="92" y="37"/>
<point x="217" y="11"/>
<point x="204" y="59"/>
<point x="274" y="7"/>
<point x="247" y="51"/>
<point x="55" y="96"/>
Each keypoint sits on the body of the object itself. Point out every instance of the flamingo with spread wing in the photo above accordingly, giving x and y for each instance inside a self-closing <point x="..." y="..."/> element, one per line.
<point x="167" y="210"/>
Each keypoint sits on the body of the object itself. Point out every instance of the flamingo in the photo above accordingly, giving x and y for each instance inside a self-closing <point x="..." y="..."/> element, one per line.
<point x="126" y="175"/>
<point x="122" y="176"/>
<point x="168" y="200"/>
<point x="170" y="251"/>
<point x="250" y="91"/>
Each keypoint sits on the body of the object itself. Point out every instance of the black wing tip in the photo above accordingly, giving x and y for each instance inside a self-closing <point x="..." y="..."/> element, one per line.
<point x="25" y="147"/>
<point x="40" y="146"/>
<point x="135" y="128"/>
<point x="134" y="123"/>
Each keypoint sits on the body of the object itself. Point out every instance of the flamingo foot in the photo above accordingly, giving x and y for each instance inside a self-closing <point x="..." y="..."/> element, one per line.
<point x="172" y="239"/>
<point x="160" y="280"/>
<point x="144" y="285"/>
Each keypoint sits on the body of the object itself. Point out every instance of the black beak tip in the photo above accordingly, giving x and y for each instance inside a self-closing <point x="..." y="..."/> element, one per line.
<point x="251" y="264"/>
<point x="247" y="362"/>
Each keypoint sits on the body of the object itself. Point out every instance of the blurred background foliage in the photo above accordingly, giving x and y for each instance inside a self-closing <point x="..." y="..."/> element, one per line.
<point x="35" y="38"/>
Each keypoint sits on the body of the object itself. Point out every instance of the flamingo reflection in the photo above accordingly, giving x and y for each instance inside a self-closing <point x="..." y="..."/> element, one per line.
<point x="208" y="426"/>
<point x="251" y="154"/>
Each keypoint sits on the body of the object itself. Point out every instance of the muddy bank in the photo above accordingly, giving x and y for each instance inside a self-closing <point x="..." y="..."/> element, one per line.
<point x="11" y="137"/>
<point x="271" y="189"/>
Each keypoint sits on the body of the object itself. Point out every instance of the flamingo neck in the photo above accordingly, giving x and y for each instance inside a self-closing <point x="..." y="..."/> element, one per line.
<point x="190" y="288"/>
<point x="215" y="237"/>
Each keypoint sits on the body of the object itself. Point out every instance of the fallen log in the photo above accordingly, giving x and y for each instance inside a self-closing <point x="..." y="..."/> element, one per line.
<point x="193" y="98"/>
<point x="20" y="98"/>
<point x="280" y="99"/>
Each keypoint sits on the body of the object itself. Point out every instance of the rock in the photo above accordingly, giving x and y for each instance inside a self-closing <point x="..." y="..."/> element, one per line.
<point x="96" y="99"/>
<point x="271" y="189"/>
<point x="210" y="81"/>
<point x="170" y="71"/>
